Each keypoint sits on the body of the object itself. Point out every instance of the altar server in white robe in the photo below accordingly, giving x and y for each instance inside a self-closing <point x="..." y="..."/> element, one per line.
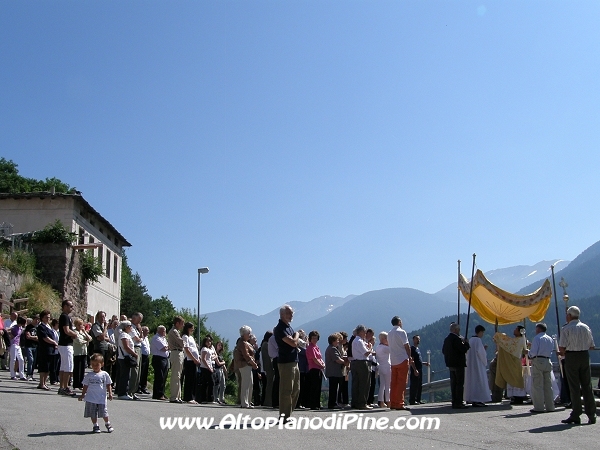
<point x="477" y="391"/>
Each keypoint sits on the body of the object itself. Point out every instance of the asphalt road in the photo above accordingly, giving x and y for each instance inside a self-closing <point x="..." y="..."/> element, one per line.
<point x="34" y="419"/>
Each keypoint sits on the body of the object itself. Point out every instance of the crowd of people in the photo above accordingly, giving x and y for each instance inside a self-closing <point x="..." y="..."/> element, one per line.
<point x="286" y="369"/>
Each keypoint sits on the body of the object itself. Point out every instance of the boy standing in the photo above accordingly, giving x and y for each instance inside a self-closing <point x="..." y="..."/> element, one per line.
<point x="96" y="385"/>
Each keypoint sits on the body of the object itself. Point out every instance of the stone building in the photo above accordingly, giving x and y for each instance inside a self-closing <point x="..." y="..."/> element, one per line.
<point x="33" y="211"/>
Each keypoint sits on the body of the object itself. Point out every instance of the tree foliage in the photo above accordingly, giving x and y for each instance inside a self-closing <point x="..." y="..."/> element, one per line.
<point x="13" y="183"/>
<point x="134" y="294"/>
<point x="91" y="267"/>
<point x="158" y="311"/>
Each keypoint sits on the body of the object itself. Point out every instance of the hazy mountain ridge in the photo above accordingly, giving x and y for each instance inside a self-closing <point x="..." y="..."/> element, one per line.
<point x="228" y="322"/>
<point x="419" y="310"/>
<point x="581" y="275"/>
<point x="375" y="309"/>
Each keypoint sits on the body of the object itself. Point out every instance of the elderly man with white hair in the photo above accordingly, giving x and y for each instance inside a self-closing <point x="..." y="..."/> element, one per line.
<point x="575" y="341"/>
<point x="159" y="349"/>
<point x="287" y="361"/>
<point x="244" y="362"/>
<point x="137" y="337"/>
<point x="455" y="350"/>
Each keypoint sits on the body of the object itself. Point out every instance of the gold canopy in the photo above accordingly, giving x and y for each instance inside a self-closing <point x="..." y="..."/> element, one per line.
<point x="493" y="303"/>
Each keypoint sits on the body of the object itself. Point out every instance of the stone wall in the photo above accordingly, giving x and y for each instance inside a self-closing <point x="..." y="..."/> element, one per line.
<point x="9" y="283"/>
<point x="60" y="266"/>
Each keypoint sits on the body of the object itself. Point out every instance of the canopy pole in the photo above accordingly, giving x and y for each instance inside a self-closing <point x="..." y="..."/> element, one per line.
<point x="526" y="353"/>
<point x="555" y="302"/>
<point x="470" y="295"/>
<point x="496" y="325"/>
<point x="558" y="358"/>
<point x="458" y="292"/>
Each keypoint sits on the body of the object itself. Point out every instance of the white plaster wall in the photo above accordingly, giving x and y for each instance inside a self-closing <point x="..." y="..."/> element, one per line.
<point x="33" y="214"/>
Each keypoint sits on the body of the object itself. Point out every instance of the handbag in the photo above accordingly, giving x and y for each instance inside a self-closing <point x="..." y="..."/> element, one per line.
<point x="111" y="354"/>
<point x="128" y="360"/>
<point x="2" y="346"/>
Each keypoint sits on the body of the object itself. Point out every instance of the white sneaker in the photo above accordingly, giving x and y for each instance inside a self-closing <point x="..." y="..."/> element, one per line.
<point x="125" y="397"/>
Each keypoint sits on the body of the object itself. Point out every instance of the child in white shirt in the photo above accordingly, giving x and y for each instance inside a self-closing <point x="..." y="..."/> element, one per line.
<point x="96" y="385"/>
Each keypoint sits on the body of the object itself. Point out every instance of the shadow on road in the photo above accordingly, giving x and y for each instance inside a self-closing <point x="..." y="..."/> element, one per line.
<point x="550" y="428"/>
<point x="447" y="409"/>
<point x="60" y="433"/>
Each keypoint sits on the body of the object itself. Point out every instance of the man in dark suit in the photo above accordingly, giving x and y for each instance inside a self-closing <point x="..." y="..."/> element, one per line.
<point x="416" y="378"/>
<point x="455" y="351"/>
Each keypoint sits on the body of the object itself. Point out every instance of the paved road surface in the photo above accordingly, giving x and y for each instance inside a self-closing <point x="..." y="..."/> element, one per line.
<point x="34" y="419"/>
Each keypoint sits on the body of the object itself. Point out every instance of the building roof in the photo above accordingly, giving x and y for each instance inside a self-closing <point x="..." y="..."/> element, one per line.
<point x="78" y="198"/>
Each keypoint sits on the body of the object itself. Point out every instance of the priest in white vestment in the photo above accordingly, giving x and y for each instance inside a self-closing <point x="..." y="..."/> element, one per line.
<point x="477" y="391"/>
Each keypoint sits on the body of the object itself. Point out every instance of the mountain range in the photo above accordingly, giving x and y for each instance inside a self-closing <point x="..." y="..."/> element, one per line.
<point x="375" y="309"/>
<point x="228" y="322"/>
<point x="581" y="275"/>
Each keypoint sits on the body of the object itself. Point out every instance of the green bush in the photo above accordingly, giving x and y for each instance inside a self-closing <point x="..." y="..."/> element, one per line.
<point x="17" y="261"/>
<point x="55" y="233"/>
<point x="41" y="296"/>
<point x="91" y="267"/>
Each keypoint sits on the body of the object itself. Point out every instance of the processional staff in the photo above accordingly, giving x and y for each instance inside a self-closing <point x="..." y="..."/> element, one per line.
<point x="470" y="296"/>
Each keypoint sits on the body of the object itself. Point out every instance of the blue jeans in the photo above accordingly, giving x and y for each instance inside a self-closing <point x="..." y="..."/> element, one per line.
<point x="30" y="354"/>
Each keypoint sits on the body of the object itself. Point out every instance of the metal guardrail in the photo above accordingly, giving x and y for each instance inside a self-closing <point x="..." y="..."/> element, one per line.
<point x="440" y="385"/>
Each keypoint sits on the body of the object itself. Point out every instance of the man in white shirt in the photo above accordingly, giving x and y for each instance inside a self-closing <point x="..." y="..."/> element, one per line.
<point x="359" y="366"/>
<point x="575" y="341"/>
<point x="159" y="349"/>
<point x="137" y="337"/>
<point x="541" y="369"/>
<point x="400" y="359"/>
<point x="145" y="365"/>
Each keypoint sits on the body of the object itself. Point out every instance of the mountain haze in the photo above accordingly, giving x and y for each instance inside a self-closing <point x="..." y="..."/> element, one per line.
<point x="375" y="309"/>
<point x="228" y="322"/>
<point x="419" y="311"/>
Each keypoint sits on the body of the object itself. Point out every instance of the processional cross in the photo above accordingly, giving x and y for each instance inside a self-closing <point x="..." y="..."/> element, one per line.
<point x="563" y="284"/>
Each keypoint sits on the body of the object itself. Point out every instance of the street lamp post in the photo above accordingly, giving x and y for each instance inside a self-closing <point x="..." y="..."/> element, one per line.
<point x="201" y="270"/>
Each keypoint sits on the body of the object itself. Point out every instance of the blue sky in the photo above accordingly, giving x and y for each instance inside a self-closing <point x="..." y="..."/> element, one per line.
<point x="304" y="148"/>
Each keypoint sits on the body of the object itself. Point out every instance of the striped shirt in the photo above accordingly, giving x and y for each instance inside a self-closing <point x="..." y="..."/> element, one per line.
<point x="576" y="336"/>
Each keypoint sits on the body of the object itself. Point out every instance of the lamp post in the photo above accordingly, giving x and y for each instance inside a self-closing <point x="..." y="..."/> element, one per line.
<point x="201" y="270"/>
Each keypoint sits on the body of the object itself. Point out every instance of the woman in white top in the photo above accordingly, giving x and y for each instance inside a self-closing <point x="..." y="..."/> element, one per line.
<point x="80" y="344"/>
<point x="191" y="363"/>
<point x="205" y="383"/>
<point x="385" y="370"/>
<point x="125" y="348"/>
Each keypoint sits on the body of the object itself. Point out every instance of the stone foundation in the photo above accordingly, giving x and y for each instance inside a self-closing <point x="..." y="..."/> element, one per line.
<point x="60" y="266"/>
<point x="9" y="284"/>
